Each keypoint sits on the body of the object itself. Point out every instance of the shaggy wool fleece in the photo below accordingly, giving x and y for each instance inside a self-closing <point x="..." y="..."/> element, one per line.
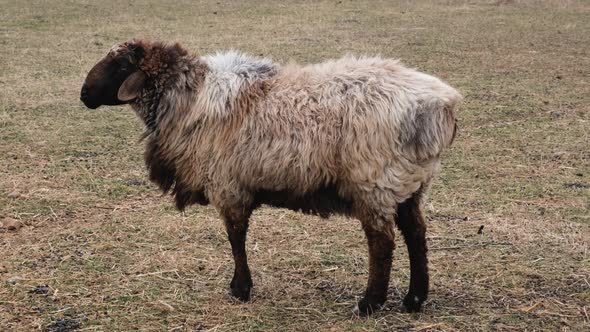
<point x="224" y="127"/>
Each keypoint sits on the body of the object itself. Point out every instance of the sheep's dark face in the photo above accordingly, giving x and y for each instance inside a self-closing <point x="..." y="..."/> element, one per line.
<point x="116" y="79"/>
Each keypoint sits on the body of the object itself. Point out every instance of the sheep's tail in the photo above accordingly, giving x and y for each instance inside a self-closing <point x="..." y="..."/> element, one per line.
<point x="432" y="126"/>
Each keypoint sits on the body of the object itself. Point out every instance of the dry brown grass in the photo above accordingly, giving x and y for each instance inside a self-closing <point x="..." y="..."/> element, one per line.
<point x="117" y="257"/>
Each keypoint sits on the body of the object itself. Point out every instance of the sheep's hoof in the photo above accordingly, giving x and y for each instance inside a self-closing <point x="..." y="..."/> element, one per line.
<point x="241" y="294"/>
<point x="367" y="306"/>
<point x="413" y="303"/>
<point x="240" y="288"/>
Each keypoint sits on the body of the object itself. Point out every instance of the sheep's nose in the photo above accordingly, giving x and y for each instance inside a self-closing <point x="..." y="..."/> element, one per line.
<point x="84" y="92"/>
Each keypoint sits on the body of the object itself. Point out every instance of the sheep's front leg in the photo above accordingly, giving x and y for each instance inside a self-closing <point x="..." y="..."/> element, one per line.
<point x="241" y="283"/>
<point x="380" y="255"/>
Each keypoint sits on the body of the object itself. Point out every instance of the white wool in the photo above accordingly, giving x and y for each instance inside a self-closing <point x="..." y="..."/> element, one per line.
<point x="229" y="73"/>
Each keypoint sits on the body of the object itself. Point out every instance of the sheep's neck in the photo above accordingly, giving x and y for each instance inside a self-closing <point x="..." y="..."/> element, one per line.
<point x="153" y="107"/>
<point x="146" y="107"/>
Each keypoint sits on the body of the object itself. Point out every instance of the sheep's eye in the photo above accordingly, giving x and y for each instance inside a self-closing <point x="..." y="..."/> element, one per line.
<point x="123" y="65"/>
<point x="121" y="61"/>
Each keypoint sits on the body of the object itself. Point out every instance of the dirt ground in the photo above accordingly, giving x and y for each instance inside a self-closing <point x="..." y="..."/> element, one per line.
<point x="88" y="243"/>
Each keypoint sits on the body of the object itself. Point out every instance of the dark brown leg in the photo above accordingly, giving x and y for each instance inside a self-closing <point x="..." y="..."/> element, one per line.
<point x="241" y="283"/>
<point x="380" y="255"/>
<point x="411" y="223"/>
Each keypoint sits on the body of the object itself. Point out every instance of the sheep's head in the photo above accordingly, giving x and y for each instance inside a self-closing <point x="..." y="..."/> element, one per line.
<point x="116" y="79"/>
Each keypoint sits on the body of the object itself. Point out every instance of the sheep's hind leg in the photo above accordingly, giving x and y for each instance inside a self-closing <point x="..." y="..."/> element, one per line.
<point x="411" y="223"/>
<point x="380" y="255"/>
<point x="241" y="283"/>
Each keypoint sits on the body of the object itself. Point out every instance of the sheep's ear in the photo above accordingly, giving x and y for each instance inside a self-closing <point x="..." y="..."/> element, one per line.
<point x="132" y="86"/>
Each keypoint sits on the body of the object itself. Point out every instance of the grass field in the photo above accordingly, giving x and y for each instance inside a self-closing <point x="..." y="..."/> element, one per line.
<point x="116" y="256"/>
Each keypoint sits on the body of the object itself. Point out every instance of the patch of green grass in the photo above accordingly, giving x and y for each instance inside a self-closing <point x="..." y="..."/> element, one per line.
<point x="115" y="188"/>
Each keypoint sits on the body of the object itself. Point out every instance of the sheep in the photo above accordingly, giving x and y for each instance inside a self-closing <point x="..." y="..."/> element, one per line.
<point x="356" y="136"/>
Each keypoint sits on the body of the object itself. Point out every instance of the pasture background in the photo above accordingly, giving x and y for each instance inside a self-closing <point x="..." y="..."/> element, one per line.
<point x="117" y="256"/>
